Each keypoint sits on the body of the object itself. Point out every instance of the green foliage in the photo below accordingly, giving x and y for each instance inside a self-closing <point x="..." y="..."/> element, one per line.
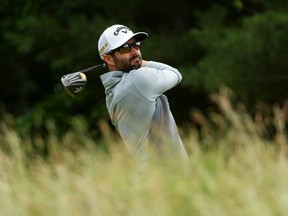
<point x="212" y="43"/>
<point x="250" y="59"/>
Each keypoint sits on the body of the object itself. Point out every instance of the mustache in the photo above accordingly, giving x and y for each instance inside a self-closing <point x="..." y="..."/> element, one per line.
<point x="134" y="57"/>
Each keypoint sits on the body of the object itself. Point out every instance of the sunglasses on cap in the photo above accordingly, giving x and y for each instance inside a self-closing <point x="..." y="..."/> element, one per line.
<point x="126" y="48"/>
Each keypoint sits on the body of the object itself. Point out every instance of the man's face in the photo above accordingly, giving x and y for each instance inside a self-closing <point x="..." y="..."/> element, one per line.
<point x="128" y="57"/>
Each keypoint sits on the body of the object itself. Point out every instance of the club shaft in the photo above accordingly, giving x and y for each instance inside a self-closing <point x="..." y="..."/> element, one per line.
<point x="92" y="68"/>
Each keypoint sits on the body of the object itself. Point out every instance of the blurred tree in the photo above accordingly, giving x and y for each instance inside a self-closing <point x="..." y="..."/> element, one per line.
<point x="251" y="59"/>
<point x="42" y="40"/>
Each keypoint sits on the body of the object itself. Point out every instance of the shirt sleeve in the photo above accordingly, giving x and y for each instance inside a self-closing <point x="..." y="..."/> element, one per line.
<point x="155" y="78"/>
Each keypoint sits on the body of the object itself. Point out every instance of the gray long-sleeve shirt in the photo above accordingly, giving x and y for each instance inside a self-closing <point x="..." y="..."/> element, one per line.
<point x="139" y="110"/>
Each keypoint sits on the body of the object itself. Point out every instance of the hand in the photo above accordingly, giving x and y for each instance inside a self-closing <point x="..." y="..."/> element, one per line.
<point x="144" y="62"/>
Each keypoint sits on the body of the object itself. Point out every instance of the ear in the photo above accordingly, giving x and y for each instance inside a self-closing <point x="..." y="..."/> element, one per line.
<point x="109" y="60"/>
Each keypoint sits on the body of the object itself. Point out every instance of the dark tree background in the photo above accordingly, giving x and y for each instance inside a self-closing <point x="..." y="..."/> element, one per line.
<point x="241" y="44"/>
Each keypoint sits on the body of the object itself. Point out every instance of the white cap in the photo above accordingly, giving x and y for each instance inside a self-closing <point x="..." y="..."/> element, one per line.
<point x="115" y="36"/>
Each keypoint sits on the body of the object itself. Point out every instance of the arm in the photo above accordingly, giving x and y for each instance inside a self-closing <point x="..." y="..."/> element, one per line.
<point x="165" y="68"/>
<point x="155" y="78"/>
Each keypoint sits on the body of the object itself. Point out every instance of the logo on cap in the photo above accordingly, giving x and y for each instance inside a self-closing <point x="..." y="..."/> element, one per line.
<point x="103" y="48"/>
<point x="121" y="28"/>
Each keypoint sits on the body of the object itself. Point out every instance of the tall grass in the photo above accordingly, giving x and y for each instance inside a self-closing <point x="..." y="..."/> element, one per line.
<point x="233" y="169"/>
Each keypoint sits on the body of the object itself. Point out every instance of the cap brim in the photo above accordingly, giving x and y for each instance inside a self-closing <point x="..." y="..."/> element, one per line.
<point x="140" y="36"/>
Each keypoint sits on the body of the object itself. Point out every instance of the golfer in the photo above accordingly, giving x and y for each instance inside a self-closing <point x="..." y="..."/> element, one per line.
<point x="134" y="95"/>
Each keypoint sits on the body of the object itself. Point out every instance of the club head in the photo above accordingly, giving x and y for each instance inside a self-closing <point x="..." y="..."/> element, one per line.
<point x="74" y="83"/>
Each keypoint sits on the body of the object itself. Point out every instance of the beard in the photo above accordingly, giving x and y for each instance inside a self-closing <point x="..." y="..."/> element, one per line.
<point x="133" y="63"/>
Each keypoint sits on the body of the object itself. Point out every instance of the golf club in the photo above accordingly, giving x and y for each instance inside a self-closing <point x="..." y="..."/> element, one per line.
<point x="74" y="83"/>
